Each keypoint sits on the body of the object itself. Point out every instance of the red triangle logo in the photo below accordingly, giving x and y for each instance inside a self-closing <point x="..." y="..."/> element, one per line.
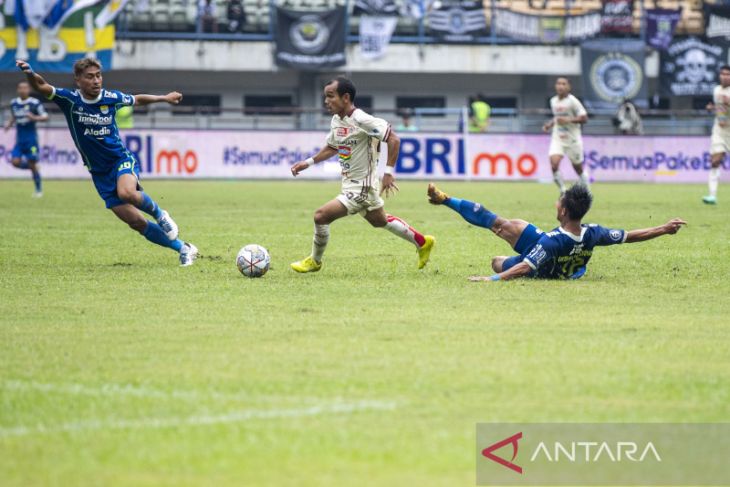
<point x="487" y="452"/>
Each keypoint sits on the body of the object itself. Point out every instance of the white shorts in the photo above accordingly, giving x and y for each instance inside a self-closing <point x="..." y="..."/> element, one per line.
<point x="574" y="150"/>
<point x="359" y="198"/>
<point x="720" y="141"/>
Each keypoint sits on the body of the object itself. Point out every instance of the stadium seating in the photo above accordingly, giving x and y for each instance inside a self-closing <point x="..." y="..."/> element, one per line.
<point x="181" y="15"/>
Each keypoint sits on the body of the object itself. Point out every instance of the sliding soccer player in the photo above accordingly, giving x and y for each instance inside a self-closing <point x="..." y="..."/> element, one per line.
<point x="562" y="253"/>
<point x="355" y="137"/>
<point x="25" y="111"/>
<point x="89" y="112"/>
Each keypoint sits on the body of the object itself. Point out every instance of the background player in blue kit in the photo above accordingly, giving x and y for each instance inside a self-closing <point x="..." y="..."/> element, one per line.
<point x="89" y="112"/>
<point x="560" y="254"/>
<point x="25" y="111"/>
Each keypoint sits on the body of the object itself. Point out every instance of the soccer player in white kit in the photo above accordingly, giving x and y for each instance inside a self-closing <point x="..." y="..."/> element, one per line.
<point x="720" y="142"/>
<point x="355" y="136"/>
<point x="568" y="115"/>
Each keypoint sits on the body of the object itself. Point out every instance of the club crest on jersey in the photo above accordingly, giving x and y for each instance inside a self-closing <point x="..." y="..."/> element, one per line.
<point x="615" y="235"/>
<point x="104" y="109"/>
<point x="342" y="131"/>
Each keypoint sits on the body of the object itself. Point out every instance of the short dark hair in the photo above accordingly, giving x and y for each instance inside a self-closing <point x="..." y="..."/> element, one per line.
<point x="345" y="85"/>
<point x="83" y="64"/>
<point x="724" y="67"/>
<point x="577" y="201"/>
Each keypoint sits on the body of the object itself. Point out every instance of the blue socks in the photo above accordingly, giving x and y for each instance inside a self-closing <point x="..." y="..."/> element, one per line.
<point x="37" y="181"/>
<point x="474" y="213"/>
<point x="155" y="234"/>
<point x="150" y="207"/>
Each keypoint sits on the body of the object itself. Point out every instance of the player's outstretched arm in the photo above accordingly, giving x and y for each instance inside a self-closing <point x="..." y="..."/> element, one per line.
<point x="520" y="270"/>
<point x="173" y="98"/>
<point x="669" y="228"/>
<point x="10" y="122"/>
<point x="36" y="80"/>
<point x="324" y="153"/>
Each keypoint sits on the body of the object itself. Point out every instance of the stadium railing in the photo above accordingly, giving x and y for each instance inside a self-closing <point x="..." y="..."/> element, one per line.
<point x="503" y="120"/>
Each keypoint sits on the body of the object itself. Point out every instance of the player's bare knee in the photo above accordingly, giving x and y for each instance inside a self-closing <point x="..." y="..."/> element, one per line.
<point x="321" y="217"/>
<point x="15" y="162"/>
<point x="127" y="195"/>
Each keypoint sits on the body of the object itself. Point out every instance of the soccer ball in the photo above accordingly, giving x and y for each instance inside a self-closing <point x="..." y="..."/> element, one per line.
<point x="253" y="260"/>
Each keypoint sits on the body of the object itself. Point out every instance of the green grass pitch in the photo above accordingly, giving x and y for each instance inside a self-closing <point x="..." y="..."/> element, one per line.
<point x="117" y="367"/>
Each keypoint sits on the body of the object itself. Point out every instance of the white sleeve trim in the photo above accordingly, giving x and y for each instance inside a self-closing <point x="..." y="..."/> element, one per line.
<point x="533" y="266"/>
<point x="626" y="235"/>
<point x="53" y="93"/>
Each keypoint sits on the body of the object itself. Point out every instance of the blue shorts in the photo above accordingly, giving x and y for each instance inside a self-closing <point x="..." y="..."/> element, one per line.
<point x="530" y="235"/>
<point x="106" y="183"/>
<point x="26" y="149"/>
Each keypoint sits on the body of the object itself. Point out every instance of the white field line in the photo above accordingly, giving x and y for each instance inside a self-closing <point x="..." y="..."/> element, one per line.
<point x="129" y="390"/>
<point x="198" y="420"/>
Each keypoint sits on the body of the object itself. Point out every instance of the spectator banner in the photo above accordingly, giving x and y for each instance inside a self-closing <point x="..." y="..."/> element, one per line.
<point x="67" y="33"/>
<point x="717" y="21"/>
<point x="375" y="7"/>
<point x="618" y="16"/>
<point x="660" y="26"/>
<point x="689" y="67"/>
<point x="375" y="34"/>
<point x="546" y="29"/>
<point x="310" y="40"/>
<point x="613" y="70"/>
<point x="457" y="20"/>
<point x="199" y="154"/>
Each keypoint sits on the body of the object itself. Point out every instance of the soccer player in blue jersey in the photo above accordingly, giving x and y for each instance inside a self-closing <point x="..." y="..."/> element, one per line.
<point x="89" y="112"/>
<point x="25" y="111"/>
<point x="560" y="254"/>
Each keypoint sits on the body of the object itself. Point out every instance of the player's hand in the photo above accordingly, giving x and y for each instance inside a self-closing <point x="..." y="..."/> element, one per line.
<point x="173" y="98"/>
<point x="673" y="225"/>
<point x="388" y="186"/>
<point x="480" y="278"/>
<point x="710" y="107"/>
<point x="299" y="167"/>
<point x="24" y="67"/>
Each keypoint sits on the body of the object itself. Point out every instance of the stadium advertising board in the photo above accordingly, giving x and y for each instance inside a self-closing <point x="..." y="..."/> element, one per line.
<point x="242" y="154"/>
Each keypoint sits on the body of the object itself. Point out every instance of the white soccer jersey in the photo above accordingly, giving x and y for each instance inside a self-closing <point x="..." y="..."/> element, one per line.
<point x="721" y="99"/>
<point x="357" y="139"/>
<point x="567" y="133"/>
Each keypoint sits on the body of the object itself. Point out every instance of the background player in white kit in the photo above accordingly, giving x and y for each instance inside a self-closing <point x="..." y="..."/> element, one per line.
<point x="355" y="137"/>
<point x="720" y="142"/>
<point x="568" y="115"/>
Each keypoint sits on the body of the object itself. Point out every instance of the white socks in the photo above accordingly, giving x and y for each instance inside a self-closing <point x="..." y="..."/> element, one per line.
<point x="396" y="226"/>
<point x="584" y="178"/>
<point x="558" y="178"/>
<point x="321" y="237"/>
<point x="713" y="181"/>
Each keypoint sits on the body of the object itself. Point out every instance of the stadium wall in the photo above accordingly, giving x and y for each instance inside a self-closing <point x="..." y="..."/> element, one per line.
<point x="191" y="154"/>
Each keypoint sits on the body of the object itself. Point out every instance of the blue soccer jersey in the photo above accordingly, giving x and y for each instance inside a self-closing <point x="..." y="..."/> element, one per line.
<point x="560" y="254"/>
<point x="93" y="127"/>
<point x="27" y="133"/>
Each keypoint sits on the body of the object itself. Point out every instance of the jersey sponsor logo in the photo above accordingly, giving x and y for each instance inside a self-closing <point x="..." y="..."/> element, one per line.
<point x="110" y="94"/>
<point x="342" y="131"/>
<point x="94" y="119"/>
<point x="537" y="254"/>
<point x="344" y="152"/>
<point x="100" y="132"/>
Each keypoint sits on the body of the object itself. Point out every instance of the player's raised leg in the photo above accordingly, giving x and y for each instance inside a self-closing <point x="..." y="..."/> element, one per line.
<point x="476" y="214"/>
<point x="424" y="243"/>
<point x="323" y="217"/>
<point x="129" y="191"/>
<point x="713" y="179"/>
<point x="154" y="233"/>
